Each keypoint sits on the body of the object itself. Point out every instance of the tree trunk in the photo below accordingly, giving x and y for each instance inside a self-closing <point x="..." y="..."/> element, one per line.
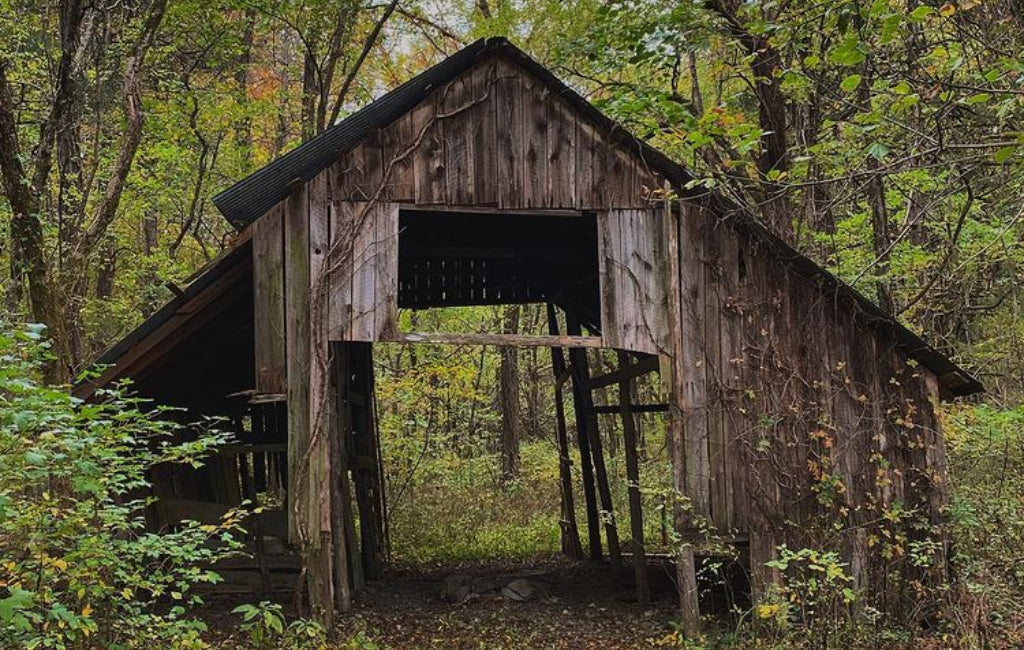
<point x="508" y="389"/>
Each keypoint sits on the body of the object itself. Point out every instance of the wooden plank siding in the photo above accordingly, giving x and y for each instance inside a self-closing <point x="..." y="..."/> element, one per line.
<point x="632" y="268"/>
<point x="797" y="412"/>
<point x="268" y="300"/>
<point x="495" y="136"/>
<point x="364" y="282"/>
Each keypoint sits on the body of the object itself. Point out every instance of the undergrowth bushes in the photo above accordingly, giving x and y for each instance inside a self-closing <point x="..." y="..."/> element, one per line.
<point x="77" y="567"/>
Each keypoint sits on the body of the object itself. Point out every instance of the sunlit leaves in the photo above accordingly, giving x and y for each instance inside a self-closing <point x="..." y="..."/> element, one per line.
<point x="850" y="52"/>
<point x="851" y="83"/>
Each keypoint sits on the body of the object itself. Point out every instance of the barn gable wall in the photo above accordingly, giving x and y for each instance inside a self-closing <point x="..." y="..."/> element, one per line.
<point x="495" y="136"/>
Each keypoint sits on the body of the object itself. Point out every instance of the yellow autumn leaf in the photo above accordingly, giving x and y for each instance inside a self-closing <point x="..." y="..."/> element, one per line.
<point x="87" y="610"/>
<point x="767" y="611"/>
<point x="60" y="565"/>
<point x="127" y="592"/>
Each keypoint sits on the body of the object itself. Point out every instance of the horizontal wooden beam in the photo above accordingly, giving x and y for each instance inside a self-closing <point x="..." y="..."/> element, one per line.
<point x="636" y="408"/>
<point x="511" y="340"/>
<point x="646" y="365"/>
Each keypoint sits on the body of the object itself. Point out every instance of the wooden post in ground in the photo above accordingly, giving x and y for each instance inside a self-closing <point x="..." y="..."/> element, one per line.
<point x="341" y="511"/>
<point x="587" y="470"/>
<point x="367" y="463"/>
<point x="585" y="404"/>
<point x="346" y="514"/>
<point x="636" y="518"/>
<point x="308" y="459"/>
<point x="686" y="386"/>
<point x="571" y="546"/>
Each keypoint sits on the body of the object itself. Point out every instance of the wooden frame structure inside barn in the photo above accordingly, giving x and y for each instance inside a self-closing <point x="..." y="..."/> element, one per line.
<point x="485" y="180"/>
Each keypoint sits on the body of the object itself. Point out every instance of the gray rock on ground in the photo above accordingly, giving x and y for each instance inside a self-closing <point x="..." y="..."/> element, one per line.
<point x="522" y="590"/>
<point x="457" y="588"/>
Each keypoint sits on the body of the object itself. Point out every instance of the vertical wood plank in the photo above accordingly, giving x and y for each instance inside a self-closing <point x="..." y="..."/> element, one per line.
<point x="535" y="142"/>
<point x="429" y="156"/>
<point x="509" y="123"/>
<point x="386" y="223"/>
<point x="585" y="143"/>
<point x="693" y="364"/>
<point x="458" y="141"/>
<point x="686" y="574"/>
<point x="397" y="160"/>
<point x="731" y="365"/>
<point x="268" y="300"/>
<point x="631" y="274"/>
<point x="319" y="467"/>
<point x="343" y="230"/>
<point x="364" y="274"/>
<point x="633" y="270"/>
<point x="608" y="274"/>
<point x="717" y="452"/>
<point x="561" y="155"/>
<point x="485" y="136"/>
<point x="296" y="229"/>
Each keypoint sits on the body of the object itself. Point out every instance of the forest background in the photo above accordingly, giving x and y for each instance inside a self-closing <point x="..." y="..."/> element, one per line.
<point x="882" y="138"/>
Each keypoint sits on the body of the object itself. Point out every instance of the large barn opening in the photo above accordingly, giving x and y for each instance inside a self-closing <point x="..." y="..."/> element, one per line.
<point x="481" y="470"/>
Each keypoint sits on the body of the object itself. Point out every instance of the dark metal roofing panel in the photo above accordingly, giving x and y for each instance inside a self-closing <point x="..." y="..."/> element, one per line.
<point x="248" y="199"/>
<point x="251" y="197"/>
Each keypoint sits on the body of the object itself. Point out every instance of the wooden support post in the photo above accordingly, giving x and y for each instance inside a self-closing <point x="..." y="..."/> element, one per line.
<point x="249" y="492"/>
<point x="586" y="470"/>
<point x="341" y="512"/>
<point x="585" y="414"/>
<point x="685" y="386"/>
<point x="321" y="407"/>
<point x="636" y="518"/>
<point x="571" y="546"/>
<point x="346" y="441"/>
<point x="367" y="468"/>
<point x="305" y="463"/>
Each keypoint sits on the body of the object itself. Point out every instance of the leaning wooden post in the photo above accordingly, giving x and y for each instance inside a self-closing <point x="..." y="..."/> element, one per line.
<point x="587" y="469"/>
<point x="636" y="517"/>
<point x="687" y="440"/>
<point x="585" y="404"/>
<point x="571" y="546"/>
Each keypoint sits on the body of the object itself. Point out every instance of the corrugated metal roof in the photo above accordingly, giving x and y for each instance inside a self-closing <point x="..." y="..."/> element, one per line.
<point x="251" y="197"/>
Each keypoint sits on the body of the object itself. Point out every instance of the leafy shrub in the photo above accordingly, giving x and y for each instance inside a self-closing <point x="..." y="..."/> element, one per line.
<point x="77" y="566"/>
<point x="264" y="625"/>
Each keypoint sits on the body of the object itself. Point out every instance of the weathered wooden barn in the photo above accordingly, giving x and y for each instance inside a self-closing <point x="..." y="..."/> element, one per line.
<point x="798" y="411"/>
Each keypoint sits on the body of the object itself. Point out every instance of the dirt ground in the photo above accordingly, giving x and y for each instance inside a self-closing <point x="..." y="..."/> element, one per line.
<point x="578" y="606"/>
